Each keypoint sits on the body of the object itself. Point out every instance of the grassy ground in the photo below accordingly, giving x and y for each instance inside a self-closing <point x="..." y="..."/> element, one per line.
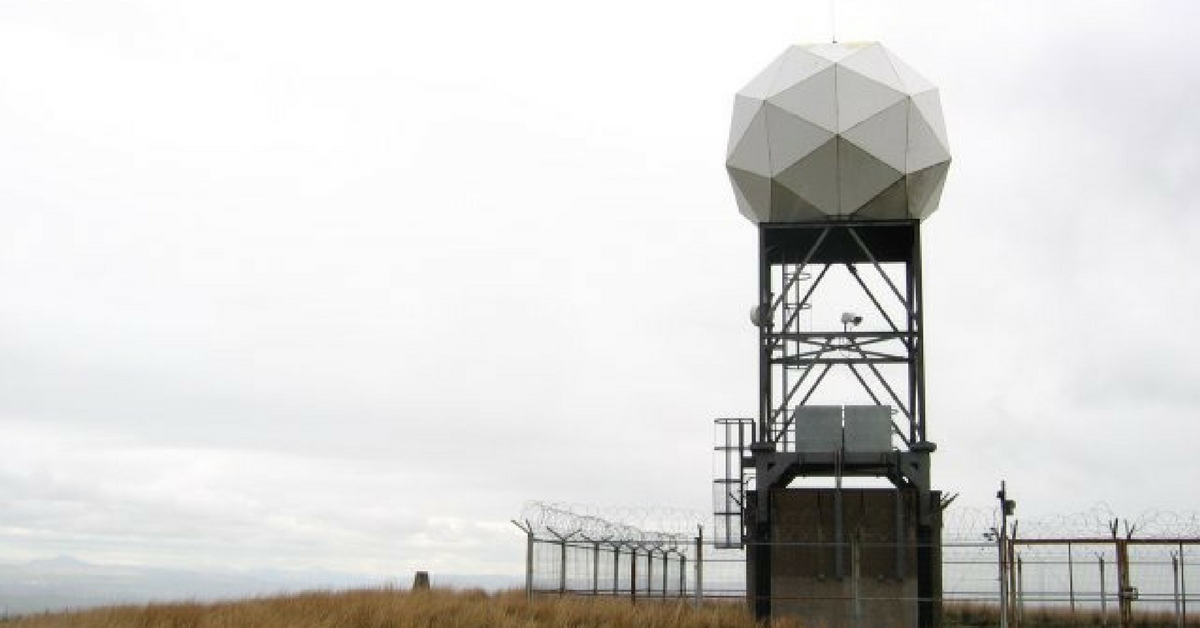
<point x="401" y="609"/>
<point x="972" y="615"/>
<point x="382" y="608"/>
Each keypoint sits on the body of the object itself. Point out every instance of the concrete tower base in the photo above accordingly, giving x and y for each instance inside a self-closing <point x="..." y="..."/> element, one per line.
<point x="850" y="558"/>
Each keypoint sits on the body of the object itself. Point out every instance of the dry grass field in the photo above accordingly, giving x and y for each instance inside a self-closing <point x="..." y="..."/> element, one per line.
<point x="381" y="608"/>
<point x="968" y="615"/>
<point x="387" y="608"/>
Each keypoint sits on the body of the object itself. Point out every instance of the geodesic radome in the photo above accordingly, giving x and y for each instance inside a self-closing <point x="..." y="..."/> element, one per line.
<point x="837" y="131"/>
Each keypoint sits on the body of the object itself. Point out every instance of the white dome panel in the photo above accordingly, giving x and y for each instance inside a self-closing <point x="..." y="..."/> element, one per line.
<point x="797" y="65"/>
<point x="792" y="138"/>
<point x="884" y="134"/>
<point x="760" y="86"/>
<point x="814" y="178"/>
<point x="832" y="131"/>
<point x="813" y="99"/>
<point x="859" y="97"/>
<point x="744" y="110"/>
<point x="871" y="177"/>
<point x="930" y="106"/>
<point x="873" y="62"/>
<point x="752" y="152"/>
<point x="925" y="148"/>
<point x="912" y="82"/>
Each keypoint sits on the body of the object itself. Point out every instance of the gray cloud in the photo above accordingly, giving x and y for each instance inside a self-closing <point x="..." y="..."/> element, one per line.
<point x="344" y="288"/>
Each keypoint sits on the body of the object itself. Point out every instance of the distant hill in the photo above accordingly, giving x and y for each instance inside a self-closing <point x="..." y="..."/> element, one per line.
<point x="65" y="582"/>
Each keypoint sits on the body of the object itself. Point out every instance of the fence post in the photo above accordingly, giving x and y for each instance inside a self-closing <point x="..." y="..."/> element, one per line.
<point x="595" y="567"/>
<point x="1002" y="567"/>
<point x="649" y="572"/>
<point x="1011" y="558"/>
<point x="562" y="566"/>
<point x="528" y="530"/>
<point x="699" y="565"/>
<point x="1182" y="585"/>
<point x="1175" y="588"/>
<point x="1007" y="507"/>
<point x="1103" y="596"/>
<point x="682" y="576"/>
<point x="616" y="569"/>
<point x="1124" y="599"/>
<point x="562" y="557"/>
<point x="1020" y="590"/>
<point x="633" y="575"/>
<point x="1071" y="577"/>
<point x="666" y="572"/>
<point x="529" y="566"/>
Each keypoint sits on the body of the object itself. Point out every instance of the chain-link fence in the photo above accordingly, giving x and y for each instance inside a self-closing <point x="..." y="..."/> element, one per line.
<point x="1098" y="580"/>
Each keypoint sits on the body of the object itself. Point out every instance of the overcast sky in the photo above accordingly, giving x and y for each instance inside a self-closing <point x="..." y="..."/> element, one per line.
<point x="341" y="285"/>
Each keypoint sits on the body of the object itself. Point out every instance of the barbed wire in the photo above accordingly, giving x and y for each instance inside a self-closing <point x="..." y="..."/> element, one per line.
<point x="624" y="524"/>
<point x="971" y="523"/>
<point x="632" y="524"/>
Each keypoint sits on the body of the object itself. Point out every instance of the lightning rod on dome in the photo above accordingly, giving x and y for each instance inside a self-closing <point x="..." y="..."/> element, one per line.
<point x="833" y="21"/>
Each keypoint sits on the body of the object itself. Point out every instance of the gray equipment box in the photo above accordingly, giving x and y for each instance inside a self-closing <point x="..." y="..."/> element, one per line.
<point x="868" y="429"/>
<point x="818" y="429"/>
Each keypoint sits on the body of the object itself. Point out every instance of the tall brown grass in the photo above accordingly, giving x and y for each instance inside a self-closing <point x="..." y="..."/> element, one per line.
<point x="383" y="608"/>
<point x="966" y="615"/>
<point x="387" y="608"/>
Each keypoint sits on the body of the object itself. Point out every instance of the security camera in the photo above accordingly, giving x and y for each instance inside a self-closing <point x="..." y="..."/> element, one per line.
<point x="850" y="318"/>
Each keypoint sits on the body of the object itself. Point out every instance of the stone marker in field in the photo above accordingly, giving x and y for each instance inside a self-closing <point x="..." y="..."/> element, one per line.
<point x="421" y="581"/>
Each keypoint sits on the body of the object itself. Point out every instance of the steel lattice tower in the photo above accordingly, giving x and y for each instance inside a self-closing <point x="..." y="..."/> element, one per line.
<point x="837" y="153"/>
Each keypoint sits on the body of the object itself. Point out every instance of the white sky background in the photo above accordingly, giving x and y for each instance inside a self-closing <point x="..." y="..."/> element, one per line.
<point x="341" y="285"/>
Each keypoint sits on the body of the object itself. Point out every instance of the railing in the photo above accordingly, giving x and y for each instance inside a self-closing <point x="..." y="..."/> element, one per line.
<point x="733" y="440"/>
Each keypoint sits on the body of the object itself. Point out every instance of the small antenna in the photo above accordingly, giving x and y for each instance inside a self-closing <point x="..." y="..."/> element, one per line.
<point x="833" y="20"/>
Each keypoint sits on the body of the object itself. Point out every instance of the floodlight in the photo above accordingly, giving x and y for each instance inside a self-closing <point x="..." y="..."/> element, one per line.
<point x="760" y="315"/>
